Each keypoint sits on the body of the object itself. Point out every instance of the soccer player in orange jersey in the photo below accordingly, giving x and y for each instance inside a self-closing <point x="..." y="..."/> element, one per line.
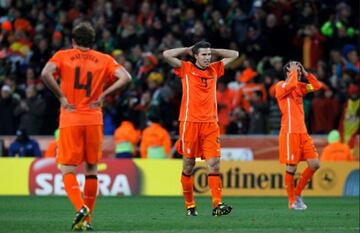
<point x="199" y="130"/>
<point x="295" y="144"/>
<point x="83" y="73"/>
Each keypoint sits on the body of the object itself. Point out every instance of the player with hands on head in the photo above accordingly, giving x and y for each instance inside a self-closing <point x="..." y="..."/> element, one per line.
<point x="295" y="144"/>
<point x="199" y="135"/>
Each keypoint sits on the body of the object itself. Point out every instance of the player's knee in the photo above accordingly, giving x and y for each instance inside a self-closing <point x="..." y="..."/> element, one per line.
<point x="67" y="169"/>
<point x="91" y="169"/>
<point x="187" y="170"/>
<point x="214" y="166"/>
<point x="314" y="166"/>
<point x="290" y="168"/>
<point x="188" y="166"/>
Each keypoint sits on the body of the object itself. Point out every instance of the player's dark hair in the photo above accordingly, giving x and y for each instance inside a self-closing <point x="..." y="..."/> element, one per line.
<point x="84" y="34"/>
<point x="199" y="45"/>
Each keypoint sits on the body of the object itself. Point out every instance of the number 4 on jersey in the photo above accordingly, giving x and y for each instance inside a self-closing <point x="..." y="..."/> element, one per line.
<point x="87" y="85"/>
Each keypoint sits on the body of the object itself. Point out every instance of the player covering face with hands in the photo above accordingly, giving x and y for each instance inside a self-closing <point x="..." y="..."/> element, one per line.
<point x="295" y="144"/>
<point x="199" y="135"/>
<point x="82" y="73"/>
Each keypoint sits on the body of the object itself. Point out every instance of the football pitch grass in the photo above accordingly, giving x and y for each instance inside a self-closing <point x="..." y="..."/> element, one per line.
<point x="167" y="214"/>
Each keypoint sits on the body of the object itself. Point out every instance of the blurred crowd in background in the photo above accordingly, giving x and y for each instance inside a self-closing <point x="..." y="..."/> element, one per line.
<point x="323" y="35"/>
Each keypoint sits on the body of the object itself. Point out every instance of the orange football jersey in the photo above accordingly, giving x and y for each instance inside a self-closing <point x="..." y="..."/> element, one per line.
<point x="289" y="95"/>
<point x="198" y="102"/>
<point x="83" y="75"/>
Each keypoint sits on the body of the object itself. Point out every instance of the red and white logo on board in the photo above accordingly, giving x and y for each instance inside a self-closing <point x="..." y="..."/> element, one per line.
<point x="116" y="178"/>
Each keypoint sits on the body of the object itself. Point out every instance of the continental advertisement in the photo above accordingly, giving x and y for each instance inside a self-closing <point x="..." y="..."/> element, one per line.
<point x="126" y="177"/>
<point x="266" y="178"/>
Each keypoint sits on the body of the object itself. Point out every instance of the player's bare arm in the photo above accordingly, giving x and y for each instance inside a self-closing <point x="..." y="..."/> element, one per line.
<point x="171" y="55"/>
<point x="48" y="78"/>
<point x="228" y="55"/>
<point x="123" y="79"/>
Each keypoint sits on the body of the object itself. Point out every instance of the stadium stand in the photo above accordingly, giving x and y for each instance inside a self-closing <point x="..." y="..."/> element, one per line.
<point x="323" y="36"/>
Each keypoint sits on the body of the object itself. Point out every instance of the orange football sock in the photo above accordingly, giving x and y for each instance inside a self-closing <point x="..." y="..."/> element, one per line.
<point x="72" y="189"/>
<point x="304" y="179"/>
<point x="187" y="185"/>
<point x="215" y="186"/>
<point x="90" y="192"/>
<point x="290" y="187"/>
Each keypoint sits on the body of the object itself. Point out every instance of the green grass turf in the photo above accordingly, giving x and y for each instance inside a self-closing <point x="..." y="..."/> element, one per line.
<point x="166" y="214"/>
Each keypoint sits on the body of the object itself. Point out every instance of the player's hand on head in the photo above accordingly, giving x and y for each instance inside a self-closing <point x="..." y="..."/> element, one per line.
<point x="293" y="66"/>
<point x="302" y="69"/>
<point x="66" y="105"/>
